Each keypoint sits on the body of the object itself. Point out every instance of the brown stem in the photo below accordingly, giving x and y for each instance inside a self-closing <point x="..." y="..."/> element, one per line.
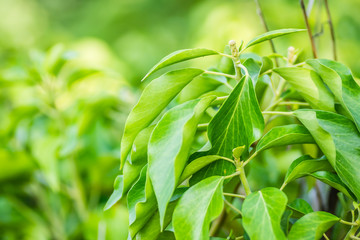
<point x="263" y="21"/>
<point x="308" y="28"/>
<point x="332" y="32"/>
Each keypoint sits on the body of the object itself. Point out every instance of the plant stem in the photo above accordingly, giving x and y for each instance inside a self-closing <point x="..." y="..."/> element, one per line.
<point x="231" y="175"/>
<point x="353" y="237"/>
<point x="220" y="74"/>
<point x="249" y="159"/>
<point x="349" y="223"/>
<point x="244" y="180"/>
<point x="263" y="21"/>
<point x="326" y="237"/>
<point x="202" y="127"/>
<point x="215" y="227"/>
<point x="226" y="55"/>
<point x="332" y="32"/>
<point x="233" y="207"/>
<point x="278" y="113"/>
<point x="294" y="103"/>
<point x="219" y="101"/>
<point x="234" y="195"/>
<point x="353" y="229"/>
<point x="302" y="4"/>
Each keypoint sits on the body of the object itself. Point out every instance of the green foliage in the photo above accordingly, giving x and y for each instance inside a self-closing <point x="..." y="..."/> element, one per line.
<point x="203" y="144"/>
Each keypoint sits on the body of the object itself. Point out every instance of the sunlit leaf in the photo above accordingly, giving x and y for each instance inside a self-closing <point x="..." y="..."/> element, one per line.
<point x="271" y="35"/>
<point x="284" y="135"/>
<point x="141" y="203"/>
<point x="339" y="140"/>
<point x="180" y="56"/>
<point x="262" y="213"/>
<point x="312" y="226"/>
<point x="309" y="84"/>
<point x="334" y="181"/>
<point x="300" y="207"/>
<point x="253" y="69"/>
<point x="117" y="193"/>
<point x="305" y="165"/>
<point x="239" y="122"/>
<point x="198" y="164"/>
<point x="169" y="147"/>
<point x="200" y="205"/>
<point x="163" y="89"/>
<point x="341" y="82"/>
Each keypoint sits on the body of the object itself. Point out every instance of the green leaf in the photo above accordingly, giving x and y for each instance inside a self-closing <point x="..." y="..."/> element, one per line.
<point x="284" y="135"/>
<point x="339" y="140"/>
<point x="312" y="226"/>
<point x="266" y="65"/>
<point x="253" y="69"/>
<point x="151" y="231"/>
<point x="272" y="34"/>
<point x="239" y="122"/>
<point x="226" y="64"/>
<point x="334" y="181"/>
<point x="163" y="89"/>
<point x="201" y="85"/>
<point x="305" y="165"/>
<point x="262" y="213"/>
<point x="285" y="219"/>
<point x="198" y="164"/>
<point x="200" y="205"/>
<point x="238" y="151"/>
<point x="169" y="147"/>
<point x="180" y="56"/>
<point x="141" y="203"/>
<point x="300" y="207"/>
<point x="117" y="193"/>
<point x="309" y="84"/>
<point x="341" y="82"/>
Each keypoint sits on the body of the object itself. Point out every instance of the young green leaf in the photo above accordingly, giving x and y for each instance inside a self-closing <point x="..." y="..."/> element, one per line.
<point x="262" y="213"/>
<point x="138" y="159"/>
<point x="117" y="193"/>
<point x="169" y="147"/>
<point x="198" y="164"/>
<point x="305" y="165"/>
<point x="266" y="65"/>
<point x="341" y="82"/>
<point x="141" y="203"/>
<point x="226" y="65"/>
<point x="300" y="207"/>
<point x="334" y="181"/>
<point x="201" y="85"/>
<point x="272" y="34"/>
<point x="339" y="140"/>
<point x="151" y="231"/>
<point x="253" y="69"/>
<point x="180" y="56"/>
<point x="284" y="135"/>
<point x="239" y="122"/>
<point x="285" y="220"/>
<point x="163" y="89"/>
<point x="308" y="83"/>
<point x="312" y="226"/>
<point x="200" y="205"/>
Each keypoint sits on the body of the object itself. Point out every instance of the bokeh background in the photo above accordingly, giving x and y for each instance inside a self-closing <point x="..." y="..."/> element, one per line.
<point x="70" y="72"/>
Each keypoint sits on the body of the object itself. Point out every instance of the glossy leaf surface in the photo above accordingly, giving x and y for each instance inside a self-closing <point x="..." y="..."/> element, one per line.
<point x="201" y="204"/>
<point x="271" y="35"/>
<point x="334" y="181"/>
<point x="312" y="226"/>
<point x="284" y="135"/>
<point x="305" y="165"/>
<point x="338" y="138"/>
<point x="169" y="147"/>
<point x="341" y="82"/>
<point x="239" y="122"/>
<point x="262" y="213"/>
<point x="146" y="110"/>
<point x="309" y="84"/>
<point x="180" y="56"/>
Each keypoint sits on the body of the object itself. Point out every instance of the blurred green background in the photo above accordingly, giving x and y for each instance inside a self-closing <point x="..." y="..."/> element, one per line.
<point x="70" y="72"/>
